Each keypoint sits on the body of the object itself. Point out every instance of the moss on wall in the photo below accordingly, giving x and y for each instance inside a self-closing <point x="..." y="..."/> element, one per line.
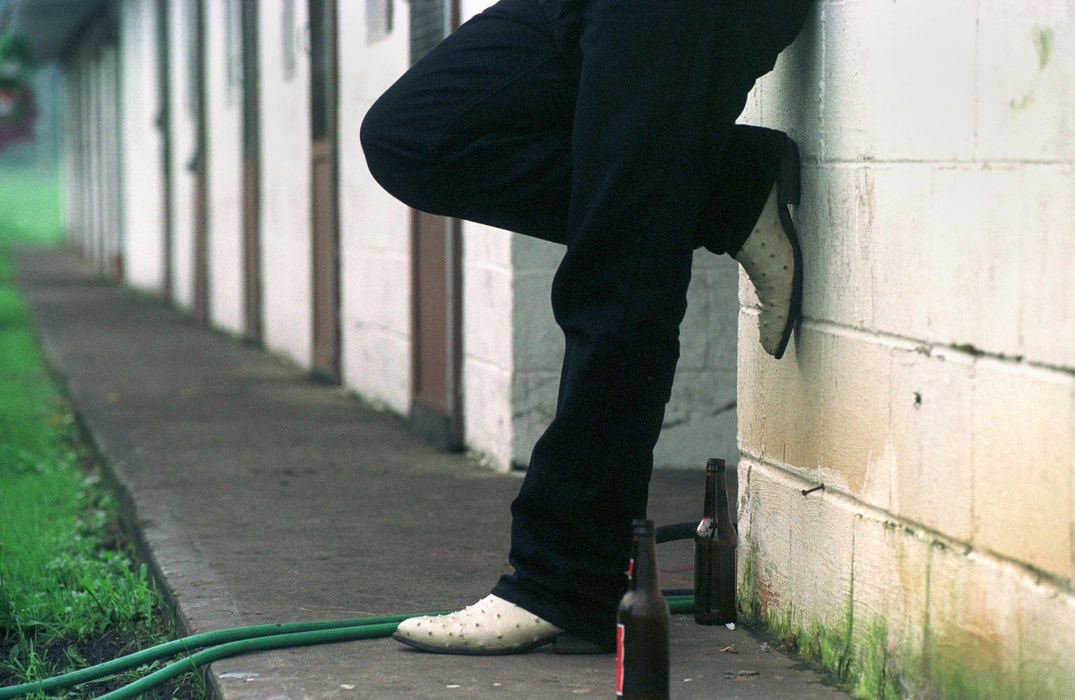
<point x="865" y="658"/>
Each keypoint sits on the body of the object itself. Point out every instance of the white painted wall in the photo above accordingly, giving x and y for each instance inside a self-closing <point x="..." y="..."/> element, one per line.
<point x="490" y="341"/>
<point x="224" y="165"/>
<point x="183" y="142"/>
<point x="932" y="385"/>
<point x="285" y="179"/>
<point x="375" y="238"/>
<point x="700" y="419"/>
<point x="142" y="177"/>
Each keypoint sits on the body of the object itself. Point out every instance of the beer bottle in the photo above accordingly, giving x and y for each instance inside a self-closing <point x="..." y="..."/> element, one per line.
<point x="642" y="623"/>
<point x="714" y="553"/>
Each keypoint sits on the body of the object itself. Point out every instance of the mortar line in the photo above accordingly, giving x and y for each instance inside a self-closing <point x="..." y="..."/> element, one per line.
<point x="794" y="478"/>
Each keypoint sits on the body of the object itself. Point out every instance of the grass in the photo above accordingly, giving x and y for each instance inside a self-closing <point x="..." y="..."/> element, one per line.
<point x="71" y="593"/>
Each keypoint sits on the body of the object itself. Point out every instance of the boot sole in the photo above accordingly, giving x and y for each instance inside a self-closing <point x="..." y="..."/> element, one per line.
<point x="788" y="193"/>
<point x="434" y="649"/>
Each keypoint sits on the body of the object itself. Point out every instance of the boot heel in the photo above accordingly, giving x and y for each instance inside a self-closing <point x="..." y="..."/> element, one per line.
<point x="789" y="180"/>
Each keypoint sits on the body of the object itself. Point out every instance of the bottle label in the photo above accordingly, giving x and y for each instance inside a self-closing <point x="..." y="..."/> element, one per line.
<point x="619" y="658"/>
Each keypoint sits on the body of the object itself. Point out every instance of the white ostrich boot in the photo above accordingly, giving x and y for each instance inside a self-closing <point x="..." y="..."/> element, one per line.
<point x="490" y="626"/>
<point x="773" y="262"/>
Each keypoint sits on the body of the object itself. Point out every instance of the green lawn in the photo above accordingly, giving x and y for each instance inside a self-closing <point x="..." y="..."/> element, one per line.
<point x="29" y="206"/>
<point x="70" y="592"/>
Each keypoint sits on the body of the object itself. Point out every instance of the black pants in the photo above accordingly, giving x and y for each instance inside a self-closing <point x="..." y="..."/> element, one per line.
<point x="607" y="126"/>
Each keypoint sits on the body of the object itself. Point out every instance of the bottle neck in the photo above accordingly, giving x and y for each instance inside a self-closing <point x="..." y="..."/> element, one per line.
<point x="644" y="570"/>
<point x="724" y="515"/>
<point x="709" y="509"/>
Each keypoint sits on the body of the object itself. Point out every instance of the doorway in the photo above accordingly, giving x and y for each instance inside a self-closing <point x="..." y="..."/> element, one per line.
<point x="437" y="281"/>
<point x="324" y="201"/>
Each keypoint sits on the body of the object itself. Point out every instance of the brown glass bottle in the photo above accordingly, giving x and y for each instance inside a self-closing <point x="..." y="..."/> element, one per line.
<point x="642" y="623"/>
<point x="714" y="553"/>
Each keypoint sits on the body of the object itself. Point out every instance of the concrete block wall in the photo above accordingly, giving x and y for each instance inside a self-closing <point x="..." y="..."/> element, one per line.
<point x="142" y="179"/>
<point x="94" y="212"/>
<point x="286" y="266"/>
<point x="700" y="419"/>
<point x="931" y="386"/>
<point x="375" y="229"/>
<point x="181" y="18"/>
<point x="223" y="67"/>
<point x="490" y="351"/>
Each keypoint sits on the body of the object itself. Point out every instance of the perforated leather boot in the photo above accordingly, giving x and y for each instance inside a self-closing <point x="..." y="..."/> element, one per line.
<point x="772" y="259"/>
<point x="490" y="626"/>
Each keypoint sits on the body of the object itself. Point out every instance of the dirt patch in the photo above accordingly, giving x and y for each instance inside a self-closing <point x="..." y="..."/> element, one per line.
<point x="64" y="654"/>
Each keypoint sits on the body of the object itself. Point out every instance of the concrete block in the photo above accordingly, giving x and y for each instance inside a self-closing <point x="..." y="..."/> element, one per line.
<point x="371" y="218"/>
<point x="796" y="552"/>
<point x="224" y="167"/>
<point x="533" y="405"/>
<point x="699" y="421"/>
<point x="1046" y="658"/>
<point x="890" y="606"/>
<point x="287" y="320"/>
<point x="377" y="366"/>
<point x="894" y="207"/>
<point x="1025" y="81"/>
<point x="486" y="246"/>
<point x="973" y="628"/>
<point x="837" y="238"/>
<point x="538" y="343"/>
<point x="487" y="315"/>
<point x="1024" y="464"/>
<point x="141" y="178"/>
<point x="708" y="332"/>
<point x="1044" y="257"/>
<point x="885" y="95"/>
<point x="375" y="279"/>
<point x="791" y="97"/>
<point x="953" y="246"/>
<point x="534" y="255"/>
<point x="182" y="142"/>
<point x="822" y="410"/>
<point x="695" y="334"/>
<point x="487" y="411"/>
<point x="902" y="611"/>
<point x="872" y="262"/>
<point x="285" y="188"/>
<point x="381" y="293"/>
<point x="931" y="431"/>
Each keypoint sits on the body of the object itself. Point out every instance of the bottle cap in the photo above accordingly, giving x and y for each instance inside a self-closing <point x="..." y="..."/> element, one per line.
<point x="715" y="464"/>
<point x="642" y="527"/>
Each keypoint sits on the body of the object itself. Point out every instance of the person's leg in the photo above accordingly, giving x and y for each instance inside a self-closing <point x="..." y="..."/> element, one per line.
<point x="660" y="87"/>
<point x="745" y="174"/>
<point x="479" y="128"/>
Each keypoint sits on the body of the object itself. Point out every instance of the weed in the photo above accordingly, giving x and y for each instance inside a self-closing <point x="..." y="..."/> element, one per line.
<point x="71" y="594"/>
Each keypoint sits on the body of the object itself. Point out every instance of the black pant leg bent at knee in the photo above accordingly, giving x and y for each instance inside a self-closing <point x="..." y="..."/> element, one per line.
<point x="661" y="86"/>
<point x="479" y="128"/>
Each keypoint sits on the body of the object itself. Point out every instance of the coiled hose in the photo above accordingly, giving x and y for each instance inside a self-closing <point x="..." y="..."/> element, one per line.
<point x="236" y="641"/>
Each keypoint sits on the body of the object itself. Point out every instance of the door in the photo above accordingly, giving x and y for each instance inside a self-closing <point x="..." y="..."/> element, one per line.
<point x="164" y="125"/>
<point x="324" y="222"/>
<point x="436" y="404"/>
<point x="251" y="174"/>
<point x="199" y="166"/>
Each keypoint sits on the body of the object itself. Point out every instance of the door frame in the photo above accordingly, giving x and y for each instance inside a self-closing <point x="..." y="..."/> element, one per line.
<point x="324" y="184"/>
<point x="440" y="418"/>
<point x="250" y="137"/>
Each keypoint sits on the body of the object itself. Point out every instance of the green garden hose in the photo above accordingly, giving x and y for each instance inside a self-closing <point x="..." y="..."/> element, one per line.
<point x="235" y="641"/>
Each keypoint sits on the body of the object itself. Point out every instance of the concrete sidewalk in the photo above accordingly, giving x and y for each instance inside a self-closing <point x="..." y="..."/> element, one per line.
<point x="263" y="497"/>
